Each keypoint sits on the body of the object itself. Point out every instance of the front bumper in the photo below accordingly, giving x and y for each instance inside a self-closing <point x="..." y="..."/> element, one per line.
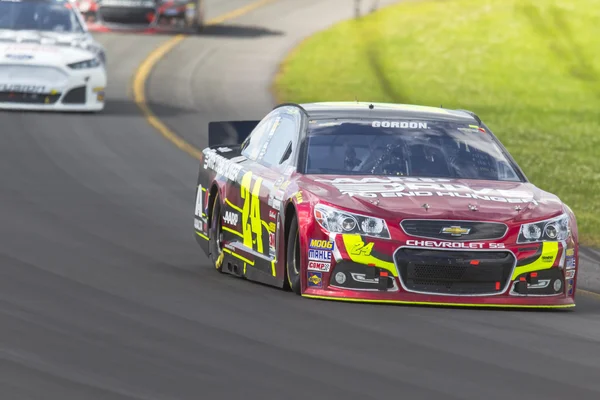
<point x="355" y="268"/>
<point x="52" y="88"/>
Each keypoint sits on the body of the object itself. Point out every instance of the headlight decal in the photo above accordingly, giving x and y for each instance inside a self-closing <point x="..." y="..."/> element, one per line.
<point x="91" y="63"/>
<point x="550" y="230"/>
<point x="360" y="253"/>
<point x="546" y="260"/>
<point x="338" y="221"/>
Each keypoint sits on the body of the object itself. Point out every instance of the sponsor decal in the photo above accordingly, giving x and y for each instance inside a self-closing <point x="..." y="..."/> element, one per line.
<point x="272" y="244"/>
<point x="423" y="187"/>
<point x="199" y="211"/>
<point x="570" y="252"/>
<point x="570" y="274"/>
<point x="221" y="165"/>
<point x="570" y="261"/>
<point x="455" y="230"/>
<point x="263" y="150"/>
<point x="318" y="266"/>
<point x="472" y="129"/>
<point x="279" y="181"/>
<point x="362" y="249"/>
<point x="100" y="93"/>
<point x="274" y="200"/>
<point x="321" y="244"/>
<point x="271" y="227"/>
<point x="272" y="214"/>
<point x="276" y="204"/>
<point x="15" y="87"/>
<point x="198" y="225"/>
<point x="19" y="56"/>
<point x="231" y="218"/>
<point x="454" y="245"/>
<point x="224" y="149"/>
<point x="400" y="124"/>
<point x="319" y="255"/>
<point x="31" y="47"/>
<point x="315" y="279"/>
<point x="570" y="287"/>
<point x="299" y="198"/>
<point x="284" y="185"/>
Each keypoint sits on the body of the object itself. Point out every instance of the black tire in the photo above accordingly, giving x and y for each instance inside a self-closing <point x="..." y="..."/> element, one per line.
<point x="215" y="250"/>
<point x="292" y="265"/>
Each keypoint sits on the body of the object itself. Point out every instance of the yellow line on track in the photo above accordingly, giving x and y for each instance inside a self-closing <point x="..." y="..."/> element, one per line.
<point x="142" y="73"/>
<point x="590" y="294"/>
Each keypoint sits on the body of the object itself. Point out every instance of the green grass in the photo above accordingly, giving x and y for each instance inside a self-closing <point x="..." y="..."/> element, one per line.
<point x="530" y="69"/>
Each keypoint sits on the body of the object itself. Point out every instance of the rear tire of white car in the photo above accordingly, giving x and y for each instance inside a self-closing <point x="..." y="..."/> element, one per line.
<point x="293" y="264"/>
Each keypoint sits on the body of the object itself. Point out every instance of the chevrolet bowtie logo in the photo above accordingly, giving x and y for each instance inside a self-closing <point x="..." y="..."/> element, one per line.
<point x="455" y="230"/>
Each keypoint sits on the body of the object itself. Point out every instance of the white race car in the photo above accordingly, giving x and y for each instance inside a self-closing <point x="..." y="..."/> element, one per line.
<point x="48" y="59"/>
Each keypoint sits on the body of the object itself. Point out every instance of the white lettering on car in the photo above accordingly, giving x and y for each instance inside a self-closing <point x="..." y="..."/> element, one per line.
<point x="221" y="165"/>
<point x="454" y="245"/>
<point x="231" y="218"/>
<point x="424" y="187"/>
<point x="400" y="124"/>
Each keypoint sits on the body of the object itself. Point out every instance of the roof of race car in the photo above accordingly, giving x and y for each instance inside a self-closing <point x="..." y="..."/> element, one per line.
<point x="326" y="110"/>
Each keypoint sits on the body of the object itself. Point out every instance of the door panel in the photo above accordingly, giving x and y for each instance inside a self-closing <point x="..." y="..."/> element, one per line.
<point x="245" y="219"/>
<point x="251" y="218"/>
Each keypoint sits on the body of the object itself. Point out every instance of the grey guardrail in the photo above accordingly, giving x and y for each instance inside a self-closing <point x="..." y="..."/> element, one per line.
<point x="589" y="269"/>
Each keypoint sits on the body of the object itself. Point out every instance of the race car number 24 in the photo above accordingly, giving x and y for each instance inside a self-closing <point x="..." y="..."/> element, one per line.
<point x="251" y="221"/>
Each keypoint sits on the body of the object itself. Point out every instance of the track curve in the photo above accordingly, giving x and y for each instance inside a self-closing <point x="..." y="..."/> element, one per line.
<point x="105" y="295"/>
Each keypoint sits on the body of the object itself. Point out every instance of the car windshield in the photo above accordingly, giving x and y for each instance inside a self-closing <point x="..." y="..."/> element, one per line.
<point x="39" y="15"/>
<point x="415" y="148"/>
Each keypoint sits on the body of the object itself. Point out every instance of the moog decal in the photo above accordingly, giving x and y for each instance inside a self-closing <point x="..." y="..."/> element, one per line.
<point x="321" y="244"/>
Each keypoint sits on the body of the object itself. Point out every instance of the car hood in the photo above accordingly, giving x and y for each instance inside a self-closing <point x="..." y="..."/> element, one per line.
<point x="461" y="199"/>
<point x="33" y="47"/>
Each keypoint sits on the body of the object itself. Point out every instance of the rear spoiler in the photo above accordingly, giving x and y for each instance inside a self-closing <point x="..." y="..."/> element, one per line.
<point x="229" y="132"/>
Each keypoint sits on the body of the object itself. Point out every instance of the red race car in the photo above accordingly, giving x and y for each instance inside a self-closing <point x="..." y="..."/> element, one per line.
<point x="142" y="15"/>
<point x="382" y="203"/>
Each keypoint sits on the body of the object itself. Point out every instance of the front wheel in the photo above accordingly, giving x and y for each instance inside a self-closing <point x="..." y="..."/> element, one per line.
<point x="215" y="250"/>
<point x="293" y="259"/>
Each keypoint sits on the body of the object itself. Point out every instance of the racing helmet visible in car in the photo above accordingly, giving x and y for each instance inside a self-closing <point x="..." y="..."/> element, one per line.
<point x="395" y="160"/>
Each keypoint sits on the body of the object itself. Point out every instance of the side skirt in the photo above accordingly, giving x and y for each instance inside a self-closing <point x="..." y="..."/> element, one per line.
<point x="236" y="267"/>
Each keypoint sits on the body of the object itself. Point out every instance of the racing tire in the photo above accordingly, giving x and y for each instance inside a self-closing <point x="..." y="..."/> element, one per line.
<point x="215" y="251"/>
<point x="292" y="265"/>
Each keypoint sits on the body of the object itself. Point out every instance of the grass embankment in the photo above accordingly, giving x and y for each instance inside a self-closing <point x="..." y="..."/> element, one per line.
<point x="531" y="70"/>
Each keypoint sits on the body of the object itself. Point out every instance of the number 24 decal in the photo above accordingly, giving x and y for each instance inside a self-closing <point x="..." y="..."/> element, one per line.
<point x="362" y="249"/>
<point x="251" y="221"/>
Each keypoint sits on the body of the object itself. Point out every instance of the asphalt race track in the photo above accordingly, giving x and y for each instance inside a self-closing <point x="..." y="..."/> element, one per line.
<point x="105" y="295"/>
